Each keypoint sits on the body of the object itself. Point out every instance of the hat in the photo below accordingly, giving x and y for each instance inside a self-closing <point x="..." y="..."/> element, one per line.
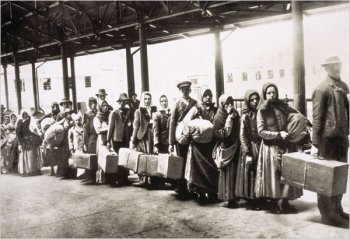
<point x="184" y="84"/>
<point x="331" y="60"/>
<point x="123" y="96"/>
<point x="65" y="100"/>
<point x="101" y="92"/>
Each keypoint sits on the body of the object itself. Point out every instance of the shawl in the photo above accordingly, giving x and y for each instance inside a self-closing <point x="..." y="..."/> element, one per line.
<point x="221" y="115"/>
<point x="265" y="104"/>
<point x="247" y="109"/>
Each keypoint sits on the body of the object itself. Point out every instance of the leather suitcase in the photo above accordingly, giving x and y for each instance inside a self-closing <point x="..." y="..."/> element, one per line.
<point x="107" y="160"/>
<point x="85" y="161"/>
<point x="326" y="177"/>
<point x="170" y="166"/>
<point x="148" y="165"/>
<point x="129" y="158"/>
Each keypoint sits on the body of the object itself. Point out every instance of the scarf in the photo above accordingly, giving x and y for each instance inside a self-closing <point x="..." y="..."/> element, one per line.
<point x="247" y="109"/>
<point x="265" y="104"/>
<point x="221" y="115"/>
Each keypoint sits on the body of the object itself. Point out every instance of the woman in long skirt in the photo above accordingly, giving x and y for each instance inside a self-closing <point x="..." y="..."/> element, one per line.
<point x="29" y="141"/>
<point x="226" y="128"/>
<point x="250" y="145"/>
<point x="272" y="125"/>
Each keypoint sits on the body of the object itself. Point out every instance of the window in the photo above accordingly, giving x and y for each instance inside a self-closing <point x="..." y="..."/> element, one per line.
<point x="22" y="85"/>
<point x="194" y="81"/>
<point x="47" y="84"/>
<point x="229" y="78"/>
<point x="258" y="75"/>
<point x="270" y="74"/>
<point x="70" y="83"/>
<point x="281" y="73"/>
<point x="87" y="81"/>
<point x="244" y="76"/>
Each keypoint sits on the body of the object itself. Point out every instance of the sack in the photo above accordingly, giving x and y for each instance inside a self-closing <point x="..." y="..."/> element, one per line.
<point x="54" y="135"/>
<point x="296" y="127"/>
<point x="46" y="123"/>
<point x="198" y="130"/>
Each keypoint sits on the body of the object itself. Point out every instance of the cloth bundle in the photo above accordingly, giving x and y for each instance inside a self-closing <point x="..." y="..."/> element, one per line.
<point x="198" y="130"/>
<point x="54" y="135"/>
<point x="296" y="127"/>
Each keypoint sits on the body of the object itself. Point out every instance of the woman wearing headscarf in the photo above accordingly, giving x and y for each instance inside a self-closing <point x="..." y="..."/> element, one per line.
<point x="90" y="135"/>
<point x="62" y="152"/>
<point x="250" y="145"/>
<point x="12" y="124"/>
<point x="9" y="146"/>
<point x="29" y="141"/>
<point x="101" y="127"/>
<point x="226" y="128"/>
<point x="272" y="126"/>
<point x="142" y="136"/>
<point x="208" y="110"/>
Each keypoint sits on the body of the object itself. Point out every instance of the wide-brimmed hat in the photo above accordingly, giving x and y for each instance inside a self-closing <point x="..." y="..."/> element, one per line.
<point x="184" y="84"/>
<point x="331" y="60"/>
<point x="65" y="100"/>
<point x="122" y="97"/>
<point x="101" y="92"/>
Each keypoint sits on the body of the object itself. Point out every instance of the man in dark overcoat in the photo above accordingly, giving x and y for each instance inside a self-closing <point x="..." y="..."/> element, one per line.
<point x="330" y="133"/>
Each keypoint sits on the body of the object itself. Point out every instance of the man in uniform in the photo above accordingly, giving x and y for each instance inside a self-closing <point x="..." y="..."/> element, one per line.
<point x="178" y="113"/>
<point x="330" y="133"/>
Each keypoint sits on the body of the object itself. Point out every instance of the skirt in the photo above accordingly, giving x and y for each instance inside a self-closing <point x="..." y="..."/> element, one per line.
<point x="29" y="162"/>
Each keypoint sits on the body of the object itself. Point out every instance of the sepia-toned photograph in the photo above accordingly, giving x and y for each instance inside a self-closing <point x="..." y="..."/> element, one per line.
<point x="174" y="119"/>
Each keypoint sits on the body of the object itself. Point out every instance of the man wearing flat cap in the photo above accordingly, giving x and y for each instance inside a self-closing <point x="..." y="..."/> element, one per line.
<point x="177" y="114"/>
<point x="330" y="133"/>
<point x="66" y="104"/>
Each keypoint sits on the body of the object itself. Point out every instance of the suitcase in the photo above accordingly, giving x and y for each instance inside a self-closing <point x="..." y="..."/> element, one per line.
<point x="148" y="165"/>
<point x="170" y="166"/>
<point x="107" y="160"/>
<point x="85" y="161"/>
<point x="326" y="177"/>
<point x="129" y="158"/>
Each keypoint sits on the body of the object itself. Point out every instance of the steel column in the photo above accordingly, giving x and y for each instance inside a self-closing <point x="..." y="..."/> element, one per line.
<point x="6" y="87"/>
<point x="64" y="70"/>
<point x="74" y="88"/>
<point x="35" y="88"/>
<point x="219" y="69"/>
<point x="130" y="70"/>
<point x="298" y="57"/>
<point x="18" y="84"/>
<point x="144" y="60"/>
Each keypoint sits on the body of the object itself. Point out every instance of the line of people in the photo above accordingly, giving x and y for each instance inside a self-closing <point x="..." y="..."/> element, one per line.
<point x="227" y="157"/>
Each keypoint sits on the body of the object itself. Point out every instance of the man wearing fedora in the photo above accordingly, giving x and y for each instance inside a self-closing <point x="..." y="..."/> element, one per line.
<point x="177" y="114"/>
<point x="66" y="104"/>
<point x="330" y="133"/>
<point x="101" y="96"/>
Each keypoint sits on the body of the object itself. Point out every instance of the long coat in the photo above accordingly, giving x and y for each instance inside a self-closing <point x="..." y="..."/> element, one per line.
<point x="141" y="123"/>
<point x="89" y="133"/>
<point x="119" y="127"/>
<point x="161" y="127"/>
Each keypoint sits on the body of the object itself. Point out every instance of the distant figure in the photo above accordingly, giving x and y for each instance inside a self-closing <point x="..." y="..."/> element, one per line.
<point x="250" y="146"/>
<point x="55" y="110"/>
<point x="9" y="145"/>
<point x="135" y="103"/>
<point x="330" y="133"/>
<point x="75" y="135"/>
<point x="66" y="104"/>
<point x="29" y="141"/>
<point x="226" y="128"/>
<point x="90" y="135"/>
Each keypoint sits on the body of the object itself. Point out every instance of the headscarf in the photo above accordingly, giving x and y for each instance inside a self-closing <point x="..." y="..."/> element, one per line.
<point x="11" y="117"/>
<point x="32" y="124"/>
<point x="221" y="115"/>
<point x="103" y="115"/>
<point x="205" y="93"/>
<point x="265" y="104"/>
<point x="142" y="101"/>
<point x="247" y="109"/>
